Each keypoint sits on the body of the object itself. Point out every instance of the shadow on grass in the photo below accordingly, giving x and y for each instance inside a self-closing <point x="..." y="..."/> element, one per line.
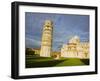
<point x="43" y="63"/>
<point x="37" y="57"/>
<point x="85" y="61"/>
<point x="36" y="62"/>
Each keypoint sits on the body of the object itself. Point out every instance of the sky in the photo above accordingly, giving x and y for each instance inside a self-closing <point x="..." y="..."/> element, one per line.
<point x="65" y="26"/>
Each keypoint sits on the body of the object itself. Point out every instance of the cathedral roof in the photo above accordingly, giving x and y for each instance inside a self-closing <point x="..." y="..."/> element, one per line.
<point x="76" y="37"/>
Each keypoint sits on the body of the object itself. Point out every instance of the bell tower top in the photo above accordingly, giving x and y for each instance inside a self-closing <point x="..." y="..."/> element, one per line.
<point x="48" y="23"/>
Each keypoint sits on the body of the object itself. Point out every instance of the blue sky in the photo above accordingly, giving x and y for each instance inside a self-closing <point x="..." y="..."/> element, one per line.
<point x="65" y="26"/>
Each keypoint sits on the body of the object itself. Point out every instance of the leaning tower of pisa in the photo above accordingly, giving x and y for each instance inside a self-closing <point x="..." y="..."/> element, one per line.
<point x="46" y="43"/>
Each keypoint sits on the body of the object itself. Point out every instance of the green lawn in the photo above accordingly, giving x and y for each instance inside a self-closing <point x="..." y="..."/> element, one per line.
<point x="33" y="62"/>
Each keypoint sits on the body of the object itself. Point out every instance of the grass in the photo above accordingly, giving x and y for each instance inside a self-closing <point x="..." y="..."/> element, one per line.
<point x="36" y="61"/>
<point x="71" y="62"/>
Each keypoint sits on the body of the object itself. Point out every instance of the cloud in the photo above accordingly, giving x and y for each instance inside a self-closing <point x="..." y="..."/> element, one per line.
<point x="33" y="43"/>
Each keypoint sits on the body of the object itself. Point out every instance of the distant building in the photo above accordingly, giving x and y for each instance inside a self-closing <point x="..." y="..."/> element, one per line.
<point x="36" y="51"/>
<point x="32" y="51"/>
<point x="75" y="49"/>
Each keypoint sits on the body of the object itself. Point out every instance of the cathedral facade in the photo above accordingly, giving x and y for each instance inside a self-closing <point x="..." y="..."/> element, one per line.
<point x="75" y="49"/>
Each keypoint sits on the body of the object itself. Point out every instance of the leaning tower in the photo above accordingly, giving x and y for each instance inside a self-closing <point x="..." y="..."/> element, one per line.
<point x="46" y="44"/>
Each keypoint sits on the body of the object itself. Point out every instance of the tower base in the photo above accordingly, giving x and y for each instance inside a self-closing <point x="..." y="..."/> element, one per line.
<point x="45" y="51"/>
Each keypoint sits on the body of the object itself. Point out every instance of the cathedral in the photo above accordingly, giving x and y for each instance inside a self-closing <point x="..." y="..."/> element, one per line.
<point x="75" y="49"/>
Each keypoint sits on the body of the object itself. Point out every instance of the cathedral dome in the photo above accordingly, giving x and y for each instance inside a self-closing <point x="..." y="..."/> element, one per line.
<point x="76" y="37"/>
<point x="75" y="40"/>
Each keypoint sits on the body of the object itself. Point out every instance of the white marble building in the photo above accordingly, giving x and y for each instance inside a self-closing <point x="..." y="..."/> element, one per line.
<point x="46" y="43"/>
<point x="75" y="49"/>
